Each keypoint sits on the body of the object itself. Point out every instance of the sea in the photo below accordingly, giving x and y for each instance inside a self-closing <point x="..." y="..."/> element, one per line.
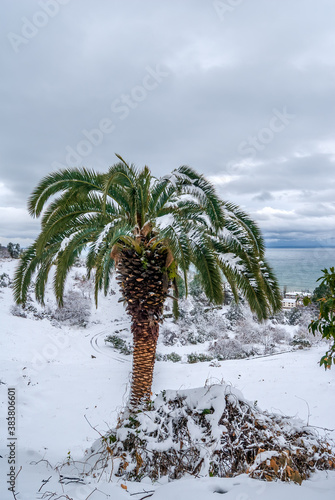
<point x="297" y="269"/>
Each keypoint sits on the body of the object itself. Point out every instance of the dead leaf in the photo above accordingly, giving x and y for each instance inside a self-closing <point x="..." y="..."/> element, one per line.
<point x="274" y="465"/>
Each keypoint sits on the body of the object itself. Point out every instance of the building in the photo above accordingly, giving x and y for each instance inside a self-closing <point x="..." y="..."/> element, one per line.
<point x="289" y="303"/>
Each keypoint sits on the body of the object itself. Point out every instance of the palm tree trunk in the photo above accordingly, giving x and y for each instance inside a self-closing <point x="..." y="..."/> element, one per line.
<point x="144" y="285"/>
<point x="145" y="335"/>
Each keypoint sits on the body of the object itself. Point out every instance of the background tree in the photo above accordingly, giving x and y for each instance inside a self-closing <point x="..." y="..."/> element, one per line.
<point x="320" y="291"/>
<point x="151" y="231"/>
<point x="325" y="324"/>
<point x="14" y="250"/>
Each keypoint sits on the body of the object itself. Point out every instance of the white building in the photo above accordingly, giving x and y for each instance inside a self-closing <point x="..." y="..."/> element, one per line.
<point x="289" y="303"/>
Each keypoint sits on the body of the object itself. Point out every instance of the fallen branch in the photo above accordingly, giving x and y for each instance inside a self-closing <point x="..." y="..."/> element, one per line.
<point x="211" y="431"/>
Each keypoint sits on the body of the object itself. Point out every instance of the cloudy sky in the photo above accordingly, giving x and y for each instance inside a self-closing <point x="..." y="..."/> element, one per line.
<point x="240" y="90"/>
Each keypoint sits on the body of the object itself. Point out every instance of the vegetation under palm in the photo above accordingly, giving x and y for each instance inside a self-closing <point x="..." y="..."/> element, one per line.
<point x="150" y="231"/>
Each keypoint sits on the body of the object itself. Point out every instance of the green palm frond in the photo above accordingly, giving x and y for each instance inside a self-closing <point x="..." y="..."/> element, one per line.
<point x="67" y="256"/>
<point x="163" y="193"/>
<point x="179" y="244"/>
<point x="237" y="221"/>
<point x="79" y="180"/>
<point x="24" y="274"/>
<point x="100" y="254"/>
<point x="181" y="214"/>
<point x="46" y="261"/>
<point x="205" y="260"/>
<point x="120" y="180"/>
<point x="196" y="185"/>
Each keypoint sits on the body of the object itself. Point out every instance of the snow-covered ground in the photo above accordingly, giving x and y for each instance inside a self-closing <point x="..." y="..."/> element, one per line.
<point x="67" y="381"/>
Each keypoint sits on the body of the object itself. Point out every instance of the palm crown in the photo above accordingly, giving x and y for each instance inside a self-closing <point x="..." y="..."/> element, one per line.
<point x="152" y="230"/>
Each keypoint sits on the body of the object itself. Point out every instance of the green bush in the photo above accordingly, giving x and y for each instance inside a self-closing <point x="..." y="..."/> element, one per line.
<point x="300" y="341"/>
<point x="325" y="324"/>
<point x="119" y="344"/>
<point x="174" y="357"/>
<point x="196" y="358"/>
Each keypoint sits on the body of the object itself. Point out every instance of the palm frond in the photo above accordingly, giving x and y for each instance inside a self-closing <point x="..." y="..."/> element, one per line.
<point x="24" y="274"/>
<point x="197" y="186"/>
<point x="63" y="180"/>
<point x="205" y="260"/>
<point x="180" y="213"/>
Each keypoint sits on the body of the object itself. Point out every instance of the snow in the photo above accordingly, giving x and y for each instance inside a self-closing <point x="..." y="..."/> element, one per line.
<point x="165" y="221"/>
<point x="104" y="233"/>
<point x="66" y="377"/>
<point x="175" y="177"/>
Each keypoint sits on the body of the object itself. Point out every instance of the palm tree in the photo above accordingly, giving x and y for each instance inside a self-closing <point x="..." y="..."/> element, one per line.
<point x="150" y="231"/>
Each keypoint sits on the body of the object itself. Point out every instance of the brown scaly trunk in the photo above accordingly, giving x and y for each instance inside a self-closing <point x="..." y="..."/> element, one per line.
<point x="143" y="363"/>
<point x="144" y="285"/>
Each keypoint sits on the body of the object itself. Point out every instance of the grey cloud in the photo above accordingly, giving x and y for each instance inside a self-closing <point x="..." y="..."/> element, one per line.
<point x="317" y="210"/>
<point x="224" y="80"/>
<point x="264" y="196"/>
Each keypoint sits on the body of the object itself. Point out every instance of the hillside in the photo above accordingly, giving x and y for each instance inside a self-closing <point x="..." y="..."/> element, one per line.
<point x="68" y="381"/>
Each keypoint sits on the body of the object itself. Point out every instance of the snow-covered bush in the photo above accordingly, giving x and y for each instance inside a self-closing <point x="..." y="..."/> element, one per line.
<point x="279" y="318"/>
<point x="227" y="349"/>
<point x="17" y="310"/>
<point x="82" y="283"/>
<point x="199" y="324"/>
<point x="5" y="280"/>
<point x="14" y="250"/>
<point x="119" y="344"/>
<point x="198" y="357"/>
<point x="210" y="431"/>
<point x="173" y="356"/>
<point x="235" y="313"/>
<point x="300" y="342"/>
<point x="303" y="337"/>
<point x="249" y="333"/>
<point x="170" y="334"/>
<point x="268" y="335"/>
<point x="195" y="326"/>
<point x="29" y="310"/>
<point x="197" y="335"/>
<point x="279" y="334"/>
<point x="76" y="310"/>
<point x="294" y="315"/>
